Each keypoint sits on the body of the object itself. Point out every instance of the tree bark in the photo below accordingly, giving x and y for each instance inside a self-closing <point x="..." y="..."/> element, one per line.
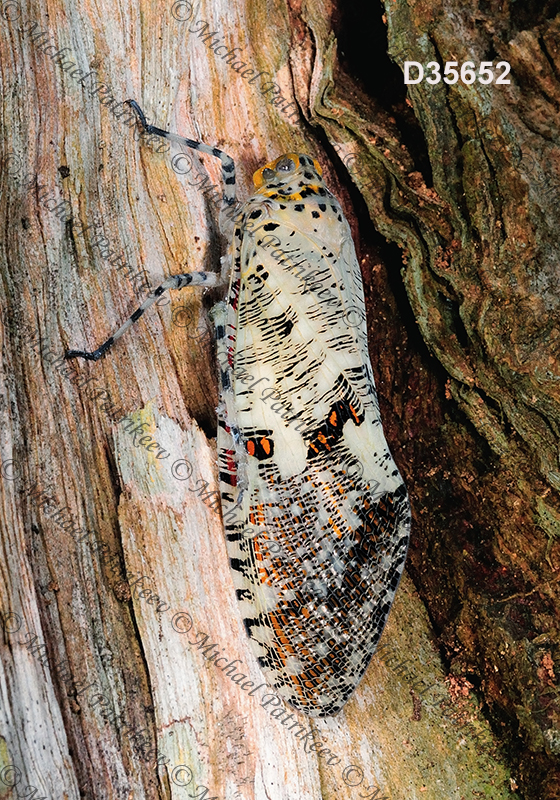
<point x="115" y="591"/>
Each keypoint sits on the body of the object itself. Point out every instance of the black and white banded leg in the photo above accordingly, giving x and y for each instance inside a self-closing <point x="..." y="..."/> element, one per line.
<point x="173" y="282"/>
<point x="228" y="165"/>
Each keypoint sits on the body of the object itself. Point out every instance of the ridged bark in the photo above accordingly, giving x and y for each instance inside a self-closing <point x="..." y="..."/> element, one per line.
<point x="115" y="591"/>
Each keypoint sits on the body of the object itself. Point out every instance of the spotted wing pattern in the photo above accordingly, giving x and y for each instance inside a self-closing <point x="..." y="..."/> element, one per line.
<point x="316" y="513"/>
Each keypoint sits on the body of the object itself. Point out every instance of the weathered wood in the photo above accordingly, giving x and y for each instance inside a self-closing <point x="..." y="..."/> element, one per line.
<point x="123" y="678"/>
<point x="478" y="228"/>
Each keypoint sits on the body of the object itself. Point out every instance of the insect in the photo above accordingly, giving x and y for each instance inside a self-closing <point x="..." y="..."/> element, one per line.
<point x="316" y="514"/>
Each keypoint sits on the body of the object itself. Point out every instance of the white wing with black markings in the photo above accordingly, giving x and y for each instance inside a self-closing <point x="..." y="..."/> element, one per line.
<point x="319" y="537"/>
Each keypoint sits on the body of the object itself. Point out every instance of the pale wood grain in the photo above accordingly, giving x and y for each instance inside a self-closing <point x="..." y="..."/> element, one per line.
<point x="109" y="652"/>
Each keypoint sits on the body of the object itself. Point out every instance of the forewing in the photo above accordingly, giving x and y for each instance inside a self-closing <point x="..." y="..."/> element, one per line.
<point x="319" y="539"/>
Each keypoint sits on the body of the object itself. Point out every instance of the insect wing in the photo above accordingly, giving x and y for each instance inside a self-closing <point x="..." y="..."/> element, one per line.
<point x="319" y="539"/>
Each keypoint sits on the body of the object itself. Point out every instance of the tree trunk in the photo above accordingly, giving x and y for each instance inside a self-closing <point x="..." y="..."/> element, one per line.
<point x="115" y="590"/>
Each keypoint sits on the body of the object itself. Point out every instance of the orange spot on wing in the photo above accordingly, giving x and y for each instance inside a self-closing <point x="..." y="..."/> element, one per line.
<point x="312" y="673"/>
<point x="336" y="529"/>
<point x="281" y="638"/>
<point x="354" y="414"/>
<point x="251" y="448"/>
<point x="298" y="686"/>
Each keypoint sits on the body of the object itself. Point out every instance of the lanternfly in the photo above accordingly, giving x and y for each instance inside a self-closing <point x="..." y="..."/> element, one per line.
<point x="317" y="481"/>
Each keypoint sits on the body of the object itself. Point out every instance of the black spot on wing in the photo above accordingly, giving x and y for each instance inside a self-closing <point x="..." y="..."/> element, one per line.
<point x="260" y="445"/>
<point x="323" y="438"/>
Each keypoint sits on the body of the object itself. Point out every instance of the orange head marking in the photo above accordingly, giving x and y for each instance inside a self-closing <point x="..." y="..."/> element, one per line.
<point x="284" y="167"/>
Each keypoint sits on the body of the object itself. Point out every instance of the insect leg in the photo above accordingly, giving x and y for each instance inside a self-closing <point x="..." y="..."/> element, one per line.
<point x="173" y="282"/>
<point x="228" y="165"/>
